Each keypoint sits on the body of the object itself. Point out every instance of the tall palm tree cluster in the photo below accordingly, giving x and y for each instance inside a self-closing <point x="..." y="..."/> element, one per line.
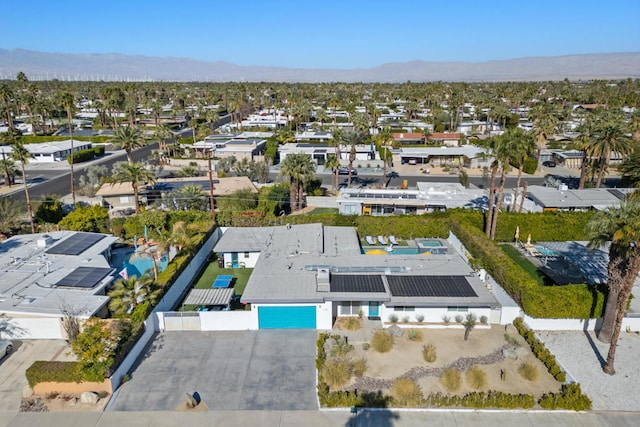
<point x="299" y="169"/>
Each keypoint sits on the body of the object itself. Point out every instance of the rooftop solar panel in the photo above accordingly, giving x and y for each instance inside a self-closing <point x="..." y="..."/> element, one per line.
<point x="76" y="244"/>
<point x="430" y="286"/>
<point x="356" y="283"/>
<point x="84" y="277"/>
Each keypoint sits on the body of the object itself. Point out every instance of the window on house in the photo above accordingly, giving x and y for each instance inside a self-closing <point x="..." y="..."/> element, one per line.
<point x="349" y="308"/>
<point x="457" y="308"/>
<point x="246" y="254"/>
<point x="404" y="308"/>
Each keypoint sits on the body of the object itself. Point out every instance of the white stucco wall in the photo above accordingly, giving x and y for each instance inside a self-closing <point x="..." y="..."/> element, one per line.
<point x="239" y="320"/>
<point x="33" y="328"/>
<point x="249" y="262"/>
<point x="432" y="314"/>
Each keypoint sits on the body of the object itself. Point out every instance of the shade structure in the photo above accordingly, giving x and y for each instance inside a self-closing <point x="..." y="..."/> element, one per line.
<point x="213" y="296"/>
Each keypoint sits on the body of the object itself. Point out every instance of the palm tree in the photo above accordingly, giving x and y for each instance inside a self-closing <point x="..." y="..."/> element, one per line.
<point x="503" y="152"/>
<point x="620" y="226"/>
<point x="68" y="103"/>
<point x="22" y="155"/>
<point x="545" y="122"/>
<point x="128" y="138"/>
<point x="134" y="173"/>
<point x="299" y="168"/>
<point x="385" y="136"/>
<point x="584" y="143"/>
<point x="337" y="137"/>
<point x="492" y="142"/>
<point x="127" y="293"/>
<point x="523" y="146"/>
<point x="190" y="197"/>
<point x="6" y="96"/>
<point x="9" y="170"/>
<point x="162" y="133"/>
<point x="609" y="137"/>
<point x="333" y="164"/>
<point x="469" y="324"/>
<point x="353" y="138"/>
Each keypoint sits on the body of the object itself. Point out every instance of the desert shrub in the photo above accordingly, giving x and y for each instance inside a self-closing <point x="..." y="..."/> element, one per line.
<point x="459" y="318"/>
<point x="540" y="351"/>
<point x="352" y="323"/>
<point x="405" y="392"/>
<point x="321" y="354"/>
<point x="490" y="399"/>
<point x="484" y="320"/>
<point x="451" y="379"/>
<point x="382" y="341"/>
<point x="393" y="318"/>
<point x="336" y="372"/>
<point x="511" y="340"/>
<point x="429" y="353"/>
<point x="476" y="377"/>
<point x="405" y="319"/>
<point x="359" y="367"/>
<point x="415" y="335"/>
<point x="528" y="371"/>
<point x="446" y="319"/>
<point x="570" y="397"/>
<point x="340" y="347"/>
<point x="366" y="346"/>
<point x="419" y="318"/>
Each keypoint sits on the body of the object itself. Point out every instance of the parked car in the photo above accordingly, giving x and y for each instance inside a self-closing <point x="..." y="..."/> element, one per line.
<point x="6" y="348"/>
<point x="345" y="171"/>
<point x="549" y="164"/>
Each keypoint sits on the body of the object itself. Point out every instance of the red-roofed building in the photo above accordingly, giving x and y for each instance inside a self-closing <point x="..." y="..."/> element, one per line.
<point x="408" y="138"/>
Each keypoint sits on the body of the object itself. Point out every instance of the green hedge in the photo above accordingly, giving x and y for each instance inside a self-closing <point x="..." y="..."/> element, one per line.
<point x="490" y="399"/>
<point x="571" y="301"/>
<point x="540" y="351"/>
<point x="544" y="227"/>
<point x="82" y="156"/>
<point x="406" y="226"/>
<point x="45" y="371"/>
<point x="38" y="139"/>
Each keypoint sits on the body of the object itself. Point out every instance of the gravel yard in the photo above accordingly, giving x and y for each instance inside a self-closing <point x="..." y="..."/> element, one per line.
<point x="582" y="356"/>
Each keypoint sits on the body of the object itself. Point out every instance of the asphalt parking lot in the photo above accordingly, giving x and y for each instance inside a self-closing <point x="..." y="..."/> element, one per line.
<point x="240" y="370"/>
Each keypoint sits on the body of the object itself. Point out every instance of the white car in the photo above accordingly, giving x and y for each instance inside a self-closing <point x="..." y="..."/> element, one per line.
<point x="6" y="348"/>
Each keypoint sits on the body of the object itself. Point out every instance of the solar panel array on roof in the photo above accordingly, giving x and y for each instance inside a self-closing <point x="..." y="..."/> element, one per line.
<point x="430" y="286"/>
<point x="356" y="283"/>
<point x="76" y="244"/>
<point x="84" y="277"/>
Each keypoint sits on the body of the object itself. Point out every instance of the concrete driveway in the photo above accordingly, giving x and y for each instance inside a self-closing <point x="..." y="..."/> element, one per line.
<point x="13" y="367"/>
<point x="243" y="370"/>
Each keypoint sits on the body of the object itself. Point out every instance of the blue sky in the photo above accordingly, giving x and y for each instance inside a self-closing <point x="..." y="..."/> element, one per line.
<point x="326" y="33"/>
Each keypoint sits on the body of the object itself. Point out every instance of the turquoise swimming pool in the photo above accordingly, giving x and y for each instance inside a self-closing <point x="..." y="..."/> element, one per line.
<point x="139" y="263"/>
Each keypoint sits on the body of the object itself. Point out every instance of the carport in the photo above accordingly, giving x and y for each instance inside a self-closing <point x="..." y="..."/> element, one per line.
<point x="213" y="297"/>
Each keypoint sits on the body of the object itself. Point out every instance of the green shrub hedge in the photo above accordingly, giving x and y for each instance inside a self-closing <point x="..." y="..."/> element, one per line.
<point x="544" y="227"/>
<point x="45" y="371"/>
<point x="38" y="139"/>
<point x="82" y="156"/>
<point x="490" y="399"/>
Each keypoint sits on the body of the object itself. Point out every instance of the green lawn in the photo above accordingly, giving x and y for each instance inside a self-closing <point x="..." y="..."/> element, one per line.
<point x="527" y="265"/>
<point x="206" y="279"/>
<point x="323" y="211"/>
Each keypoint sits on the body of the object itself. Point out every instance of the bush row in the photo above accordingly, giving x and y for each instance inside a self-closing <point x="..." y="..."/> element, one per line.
<point x="86" y="155"/>
<point x="544" y="227"/>
<point x="540" y="351"/>
<point x="38" y="139"/>
<point x="46" y="371"/>
<point x="490" y="399"/>
<point x="570" y="396"/>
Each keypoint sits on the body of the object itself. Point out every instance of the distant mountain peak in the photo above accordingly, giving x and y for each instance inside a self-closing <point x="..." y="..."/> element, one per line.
<point x="120" y="67"/>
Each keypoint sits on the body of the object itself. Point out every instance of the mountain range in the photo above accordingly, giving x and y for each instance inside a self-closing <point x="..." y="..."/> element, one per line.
<point x="119" y="67"/>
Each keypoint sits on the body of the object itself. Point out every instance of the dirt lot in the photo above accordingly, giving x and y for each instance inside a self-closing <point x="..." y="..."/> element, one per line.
<point x="405" y="359"/>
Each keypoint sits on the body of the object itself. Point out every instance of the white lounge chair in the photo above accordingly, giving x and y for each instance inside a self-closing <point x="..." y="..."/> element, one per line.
<point x="392" y="239"/>
<point x="370" y="240"/>
<point x="382" y="240"/>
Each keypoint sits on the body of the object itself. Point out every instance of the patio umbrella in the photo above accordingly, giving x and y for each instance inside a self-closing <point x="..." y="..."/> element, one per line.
<point x="517" y="232"/>
<point x="529" y="239"/>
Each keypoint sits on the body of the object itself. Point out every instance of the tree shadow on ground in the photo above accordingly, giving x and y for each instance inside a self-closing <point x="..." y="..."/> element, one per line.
<point x="367" y="417"/>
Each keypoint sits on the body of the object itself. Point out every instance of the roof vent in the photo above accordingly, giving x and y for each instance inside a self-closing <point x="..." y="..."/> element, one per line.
<point x="44" y="241"/>
<point x="323" y="280"/>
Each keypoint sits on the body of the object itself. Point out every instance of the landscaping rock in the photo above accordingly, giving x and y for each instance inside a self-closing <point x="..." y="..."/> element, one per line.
<point x="395" y="331"/>
<point x="89" y="397"/>
<point x="515" y="353"/>
<point x="33" y="405"/>
<point x="27" y="392"/>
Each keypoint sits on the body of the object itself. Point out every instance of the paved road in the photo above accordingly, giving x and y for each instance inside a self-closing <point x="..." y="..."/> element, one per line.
<point x="55" y="179"/>
<point x="245" y="370"/>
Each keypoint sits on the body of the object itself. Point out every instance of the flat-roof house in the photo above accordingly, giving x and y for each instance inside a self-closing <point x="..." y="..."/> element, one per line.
<point x="307" y="275"/>
<point x="564" y="199"/>
<point x="50" y="152"/>
<point x="42" y="275"/>
<point x="470" y="155"/>
<point x="231" y="145"/>
<point x="429" y="197"/>
<point x="445" y="138"/>
<point x="408" y="138"/>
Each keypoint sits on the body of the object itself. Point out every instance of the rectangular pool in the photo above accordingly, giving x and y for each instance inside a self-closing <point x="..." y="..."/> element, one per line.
<point x="434" y="246"/>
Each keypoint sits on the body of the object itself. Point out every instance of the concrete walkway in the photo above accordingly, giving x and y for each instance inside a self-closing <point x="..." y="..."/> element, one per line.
<point x="342" y="417"/>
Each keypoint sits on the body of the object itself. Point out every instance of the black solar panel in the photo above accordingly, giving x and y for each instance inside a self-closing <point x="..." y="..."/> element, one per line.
<point x="76" y="244"/>
<point x="356" y="283"/>
<point x="84" y="277"/>
<point x="430" y="286"/>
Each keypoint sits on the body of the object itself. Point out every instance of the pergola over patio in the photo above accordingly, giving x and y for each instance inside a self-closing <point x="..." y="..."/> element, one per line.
<point x="209" y="297"/>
